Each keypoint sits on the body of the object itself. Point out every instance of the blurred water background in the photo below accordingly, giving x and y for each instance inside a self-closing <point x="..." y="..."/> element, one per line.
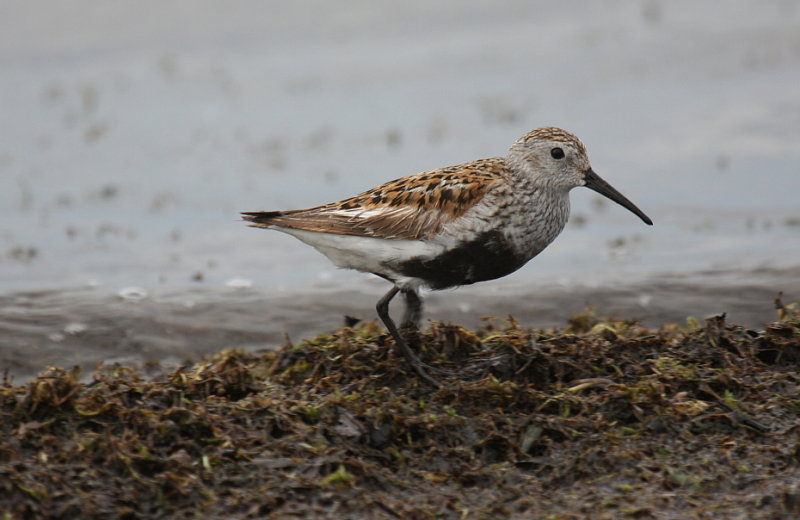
<point x="132" y="134"/>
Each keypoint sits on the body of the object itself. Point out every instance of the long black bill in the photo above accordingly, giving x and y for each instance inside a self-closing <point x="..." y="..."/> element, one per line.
<point x="594" y="182"/>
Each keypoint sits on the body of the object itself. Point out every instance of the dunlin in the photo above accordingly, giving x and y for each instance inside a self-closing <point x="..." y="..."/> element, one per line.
<point x="453" y="226"/>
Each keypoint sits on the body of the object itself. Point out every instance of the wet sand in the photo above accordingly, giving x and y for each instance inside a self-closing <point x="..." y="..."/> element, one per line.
<point x="165" y="329"/>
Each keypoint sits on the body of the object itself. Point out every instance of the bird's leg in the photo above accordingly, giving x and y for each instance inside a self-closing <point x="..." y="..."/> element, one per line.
<point x="413" y="314"/>
<point x="383" y="313"/>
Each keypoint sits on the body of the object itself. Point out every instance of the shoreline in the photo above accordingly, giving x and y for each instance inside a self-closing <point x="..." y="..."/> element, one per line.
<point x="172" y="327"/>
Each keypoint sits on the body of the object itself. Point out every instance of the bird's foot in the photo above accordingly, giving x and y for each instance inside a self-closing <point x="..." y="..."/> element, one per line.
<point x="419" y="366"/>
<point x="413" y="338"/>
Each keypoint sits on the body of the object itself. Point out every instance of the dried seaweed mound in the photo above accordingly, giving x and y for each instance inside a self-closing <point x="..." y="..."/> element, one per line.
<point x="603" y="419"/>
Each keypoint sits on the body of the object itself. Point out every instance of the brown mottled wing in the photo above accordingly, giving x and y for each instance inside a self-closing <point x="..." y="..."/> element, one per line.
<point x="414" y="207"/>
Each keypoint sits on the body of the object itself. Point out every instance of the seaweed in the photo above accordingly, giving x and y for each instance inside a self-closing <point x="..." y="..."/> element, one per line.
<point x="604" y="418"/>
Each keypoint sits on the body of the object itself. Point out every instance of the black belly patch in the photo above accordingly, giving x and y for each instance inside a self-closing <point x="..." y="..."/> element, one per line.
<point x="486" y="257"/>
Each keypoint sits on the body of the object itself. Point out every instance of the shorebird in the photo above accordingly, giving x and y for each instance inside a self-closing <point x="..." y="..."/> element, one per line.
<point x="452" y="226"/>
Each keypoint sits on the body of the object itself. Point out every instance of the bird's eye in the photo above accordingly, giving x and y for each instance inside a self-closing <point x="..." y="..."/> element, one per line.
<point x="557" y="153"/>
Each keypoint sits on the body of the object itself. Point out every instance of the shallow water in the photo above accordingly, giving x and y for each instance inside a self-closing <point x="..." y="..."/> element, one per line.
<point x="131" y="139"/>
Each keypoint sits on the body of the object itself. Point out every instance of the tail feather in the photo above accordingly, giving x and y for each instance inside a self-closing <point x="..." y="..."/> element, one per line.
<point x="261" y="219"/>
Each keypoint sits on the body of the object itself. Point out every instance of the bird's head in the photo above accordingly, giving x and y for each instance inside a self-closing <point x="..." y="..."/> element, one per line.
<point x="555" y="159"/>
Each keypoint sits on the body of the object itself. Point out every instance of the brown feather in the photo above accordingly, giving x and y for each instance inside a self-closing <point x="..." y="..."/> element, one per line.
<point x="414" y="207"/>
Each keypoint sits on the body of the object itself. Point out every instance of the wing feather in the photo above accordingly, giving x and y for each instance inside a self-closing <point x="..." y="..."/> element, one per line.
<point x="411" y="208"/>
